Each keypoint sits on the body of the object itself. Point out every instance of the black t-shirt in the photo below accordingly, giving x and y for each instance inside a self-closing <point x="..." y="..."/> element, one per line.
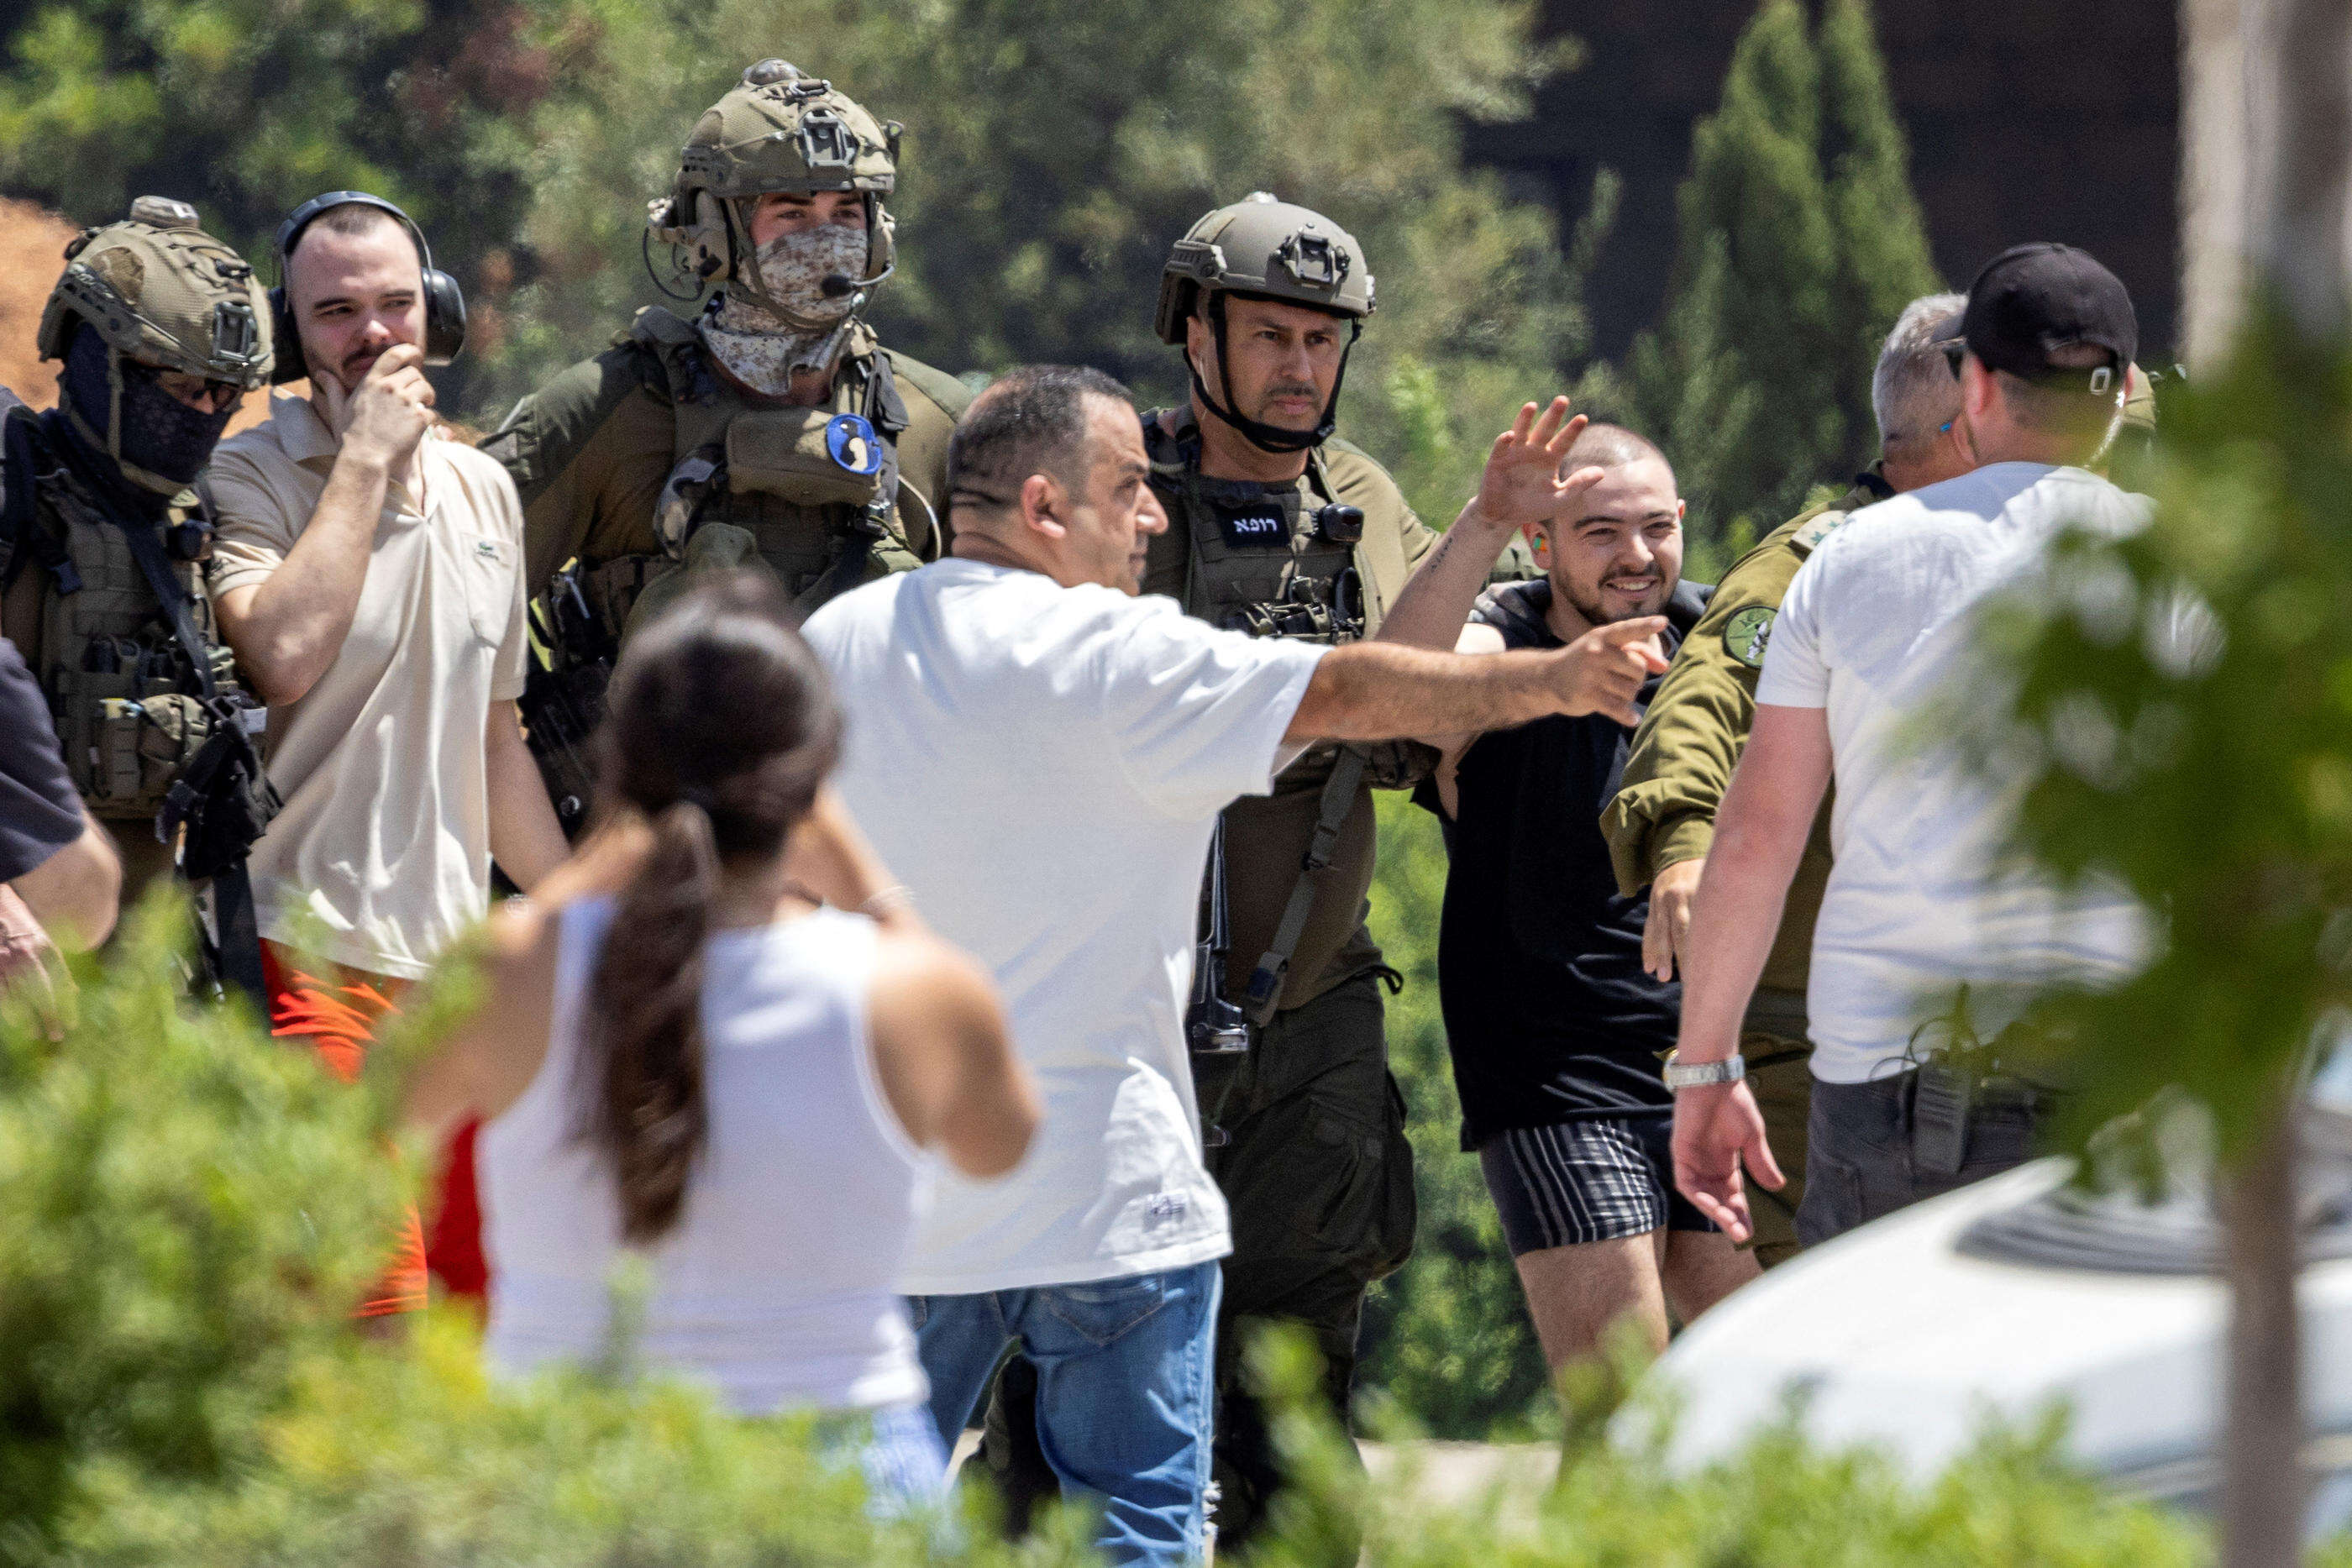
<point x="1549" y="1014"/>
<point x="39" y="812"/>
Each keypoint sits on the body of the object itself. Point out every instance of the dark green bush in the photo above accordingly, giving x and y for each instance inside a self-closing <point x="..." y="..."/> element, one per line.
<point x="189" y="1208"/>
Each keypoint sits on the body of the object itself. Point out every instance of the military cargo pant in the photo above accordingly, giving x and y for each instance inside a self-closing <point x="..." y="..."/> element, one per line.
<point x="1779" y="1074"/>
<point x="1317" y="1173"/>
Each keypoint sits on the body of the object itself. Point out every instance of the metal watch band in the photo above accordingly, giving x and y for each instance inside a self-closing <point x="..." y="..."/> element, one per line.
<point x="1730" y="1069"/>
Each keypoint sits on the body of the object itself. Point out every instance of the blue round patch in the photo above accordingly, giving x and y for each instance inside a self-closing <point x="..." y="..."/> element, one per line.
<point x="853" y="445"/>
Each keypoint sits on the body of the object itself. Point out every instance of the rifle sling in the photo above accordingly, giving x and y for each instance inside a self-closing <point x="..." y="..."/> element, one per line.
<point x="1266" y="982"/>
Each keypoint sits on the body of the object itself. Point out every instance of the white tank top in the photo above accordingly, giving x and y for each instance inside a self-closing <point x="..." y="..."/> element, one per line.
<point x="774" y="1285"/>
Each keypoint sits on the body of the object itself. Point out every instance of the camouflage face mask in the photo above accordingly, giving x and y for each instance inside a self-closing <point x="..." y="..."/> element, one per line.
<point x="757" y="346"/>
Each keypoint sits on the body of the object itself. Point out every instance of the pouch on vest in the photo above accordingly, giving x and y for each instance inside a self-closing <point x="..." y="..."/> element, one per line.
<point x="810" y="457"/>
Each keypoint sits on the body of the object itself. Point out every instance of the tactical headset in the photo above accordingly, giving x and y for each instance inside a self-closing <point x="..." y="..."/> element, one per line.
<point x="445" y="303"/>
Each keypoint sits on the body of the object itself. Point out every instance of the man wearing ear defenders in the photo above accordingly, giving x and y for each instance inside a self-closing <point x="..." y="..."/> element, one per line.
<point x="162" y="329"/>
<point x="368" y="571"/>
<point x="772" y="428"/>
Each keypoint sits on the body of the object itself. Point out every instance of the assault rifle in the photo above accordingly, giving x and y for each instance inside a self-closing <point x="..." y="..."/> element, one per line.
<point x="563" y="695"/>
<point x="1214" y="1026"/>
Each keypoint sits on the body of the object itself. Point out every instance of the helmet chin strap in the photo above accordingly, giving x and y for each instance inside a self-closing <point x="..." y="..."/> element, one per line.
<point x="1257" y="433"/>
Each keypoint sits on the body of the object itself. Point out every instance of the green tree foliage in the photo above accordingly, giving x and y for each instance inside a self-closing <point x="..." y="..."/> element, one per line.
<point x="1053" y="153"/>
<point x="247" y="107"/>
<point x="1799" y="244"/>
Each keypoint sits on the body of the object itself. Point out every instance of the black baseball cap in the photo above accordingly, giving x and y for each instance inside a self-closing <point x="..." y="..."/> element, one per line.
<point x="2032" y="301"/>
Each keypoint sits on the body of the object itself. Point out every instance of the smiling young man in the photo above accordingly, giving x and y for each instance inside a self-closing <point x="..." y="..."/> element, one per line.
<point x="368" y="573"/>
<point x="1074" y="743"/>
<point x="1554" y="1025"/>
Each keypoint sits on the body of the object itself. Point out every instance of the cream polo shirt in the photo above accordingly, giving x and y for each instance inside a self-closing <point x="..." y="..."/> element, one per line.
<point x="383" y="852"/>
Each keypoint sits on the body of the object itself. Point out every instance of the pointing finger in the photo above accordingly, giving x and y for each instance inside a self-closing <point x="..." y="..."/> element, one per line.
<point x="1525" y="423"/>
<point x="1617" y="633"/>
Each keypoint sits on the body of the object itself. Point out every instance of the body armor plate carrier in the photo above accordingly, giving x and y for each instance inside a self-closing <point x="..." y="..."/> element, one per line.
<point x="154" y="727"/>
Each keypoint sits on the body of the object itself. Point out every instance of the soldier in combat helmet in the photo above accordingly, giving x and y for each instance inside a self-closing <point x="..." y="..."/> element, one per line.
<point x="104" y="524"/>
<point x="772" y="428"/>
<point x="1277" y="528"/>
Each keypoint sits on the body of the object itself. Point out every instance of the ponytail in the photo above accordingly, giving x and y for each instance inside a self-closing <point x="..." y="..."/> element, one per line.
<point x="719" y="733"/>
<point x="644" y="1029"/>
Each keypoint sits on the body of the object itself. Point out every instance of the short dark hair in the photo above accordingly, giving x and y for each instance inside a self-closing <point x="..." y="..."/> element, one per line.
<point x="1029" y="421"/>
<point x="351" y="219"/>
<point x="1599" y="445"/>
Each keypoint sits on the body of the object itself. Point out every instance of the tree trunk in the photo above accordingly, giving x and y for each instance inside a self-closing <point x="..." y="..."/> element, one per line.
<point x="2262" y="1485"/>
<point x="2300" y="97"/>
<point x="2285" y="128"/>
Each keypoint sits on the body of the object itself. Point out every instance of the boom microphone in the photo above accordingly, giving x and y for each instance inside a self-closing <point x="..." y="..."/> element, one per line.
<point x="838" y="284"/>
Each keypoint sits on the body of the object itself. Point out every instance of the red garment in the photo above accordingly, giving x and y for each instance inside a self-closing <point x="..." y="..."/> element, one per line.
<point x="338" y="1016"/>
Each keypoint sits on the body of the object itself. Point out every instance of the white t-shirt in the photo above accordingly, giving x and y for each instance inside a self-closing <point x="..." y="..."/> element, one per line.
<point x="382" y="854"/>
<point x="1877" y="629"/>
<point x="1043" y="766"/>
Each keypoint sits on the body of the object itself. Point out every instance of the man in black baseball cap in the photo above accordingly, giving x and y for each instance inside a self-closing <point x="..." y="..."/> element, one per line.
<point x="2052" y="333"/>
<point x="1882" y="620"/>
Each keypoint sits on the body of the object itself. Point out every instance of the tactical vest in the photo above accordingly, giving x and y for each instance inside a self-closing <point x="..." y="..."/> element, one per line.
<point x="1279" y="561"/>
<point x="122" y="689"/>
<point x="1270" y="561"/>
<point x="817" y="489"/>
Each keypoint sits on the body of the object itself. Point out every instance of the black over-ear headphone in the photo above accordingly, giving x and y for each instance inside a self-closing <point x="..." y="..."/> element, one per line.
<point x="445" y="304"/>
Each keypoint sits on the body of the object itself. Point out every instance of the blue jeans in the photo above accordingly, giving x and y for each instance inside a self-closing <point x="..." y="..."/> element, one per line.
<point x="1126" y="1374"/>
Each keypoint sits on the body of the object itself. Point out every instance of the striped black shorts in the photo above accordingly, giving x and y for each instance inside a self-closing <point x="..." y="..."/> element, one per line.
<point x="1577" y="1182"/>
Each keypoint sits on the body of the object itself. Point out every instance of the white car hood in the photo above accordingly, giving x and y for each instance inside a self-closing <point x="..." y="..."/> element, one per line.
<point x="1898" y="1342"/>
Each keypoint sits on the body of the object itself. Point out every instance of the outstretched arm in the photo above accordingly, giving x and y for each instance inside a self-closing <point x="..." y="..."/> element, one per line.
<point x="1760" y="837"/>
<point x="1379" y="691"/>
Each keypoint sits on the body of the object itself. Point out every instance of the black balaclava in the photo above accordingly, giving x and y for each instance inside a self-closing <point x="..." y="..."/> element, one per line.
<point x="156" y="432"/>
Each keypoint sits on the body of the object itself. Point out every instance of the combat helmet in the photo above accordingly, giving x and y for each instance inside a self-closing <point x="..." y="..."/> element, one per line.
<point x="777" y="130"/>
<point x="161" y="292"/>
<point x="1264" y="248"/>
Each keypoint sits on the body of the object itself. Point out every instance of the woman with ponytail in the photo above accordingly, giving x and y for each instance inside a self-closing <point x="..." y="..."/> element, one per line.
<point x="730" y="1049"/>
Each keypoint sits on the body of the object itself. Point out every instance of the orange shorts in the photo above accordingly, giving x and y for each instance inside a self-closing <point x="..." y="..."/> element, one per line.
<point x="338" y="1016"/>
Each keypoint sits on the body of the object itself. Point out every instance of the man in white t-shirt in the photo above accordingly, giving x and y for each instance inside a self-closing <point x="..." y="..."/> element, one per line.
<point x="1043" y="755"/>
<point x="1876" y="634"/>
<point x="368" y="573"/>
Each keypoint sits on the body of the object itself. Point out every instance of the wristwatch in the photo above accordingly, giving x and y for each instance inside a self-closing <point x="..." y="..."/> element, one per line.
<point x="1730" y="1069"/>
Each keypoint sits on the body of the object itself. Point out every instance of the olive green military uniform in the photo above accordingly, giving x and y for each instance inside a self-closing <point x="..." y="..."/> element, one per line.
<point x="648" y="458"/>
<point x="1664" y="813"/>
<point x="136" y="689"/>
<point x="592" y="450"/>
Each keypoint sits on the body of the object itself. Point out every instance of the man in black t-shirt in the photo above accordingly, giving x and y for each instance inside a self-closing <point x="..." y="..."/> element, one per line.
<point x="59" y="874"/>
<point x="1555" y="1028"/>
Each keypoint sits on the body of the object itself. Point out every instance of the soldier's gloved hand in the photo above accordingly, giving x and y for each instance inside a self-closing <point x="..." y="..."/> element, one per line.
<point x="1522" y="485"/>
<point x="388" y="414"/>
<point x="1666" y="938"/>
<point x="1602" y="671"/>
